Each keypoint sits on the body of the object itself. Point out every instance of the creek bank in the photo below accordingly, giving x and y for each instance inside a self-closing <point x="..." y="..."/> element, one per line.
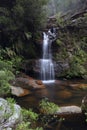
<point x="70" y="114"/>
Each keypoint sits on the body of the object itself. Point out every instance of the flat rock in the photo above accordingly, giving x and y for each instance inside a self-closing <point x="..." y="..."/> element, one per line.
<point x="28" y="83"/>
<point x="70" y="113"/>
<point x="69" y="110"/>
<point x="78" y="86"/>
<point x="19" y="92"/>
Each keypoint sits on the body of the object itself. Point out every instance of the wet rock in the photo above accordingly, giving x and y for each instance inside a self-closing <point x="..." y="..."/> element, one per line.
<point x="65" y="94"/>
<point x="78" y="86"/>
<point x="22" y="82"/>
<point x="31" y="67"/>
<point x="36" y="84"/>
<point x="70" y="113"/>
<point x="39" y="82"/>
<point x="14" y="115"/>
<point x="60" y="67"/>
<point x="69" y="110"/>
<point x="19" y="92"/>
<point x="28" y="83"/>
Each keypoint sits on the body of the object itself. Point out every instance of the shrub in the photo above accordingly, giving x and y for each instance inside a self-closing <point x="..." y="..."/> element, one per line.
<point x="29" y="118"/>
<point x="47" y="107"/>
<point x="5" y="76"/>
<point x="29" y="115"/>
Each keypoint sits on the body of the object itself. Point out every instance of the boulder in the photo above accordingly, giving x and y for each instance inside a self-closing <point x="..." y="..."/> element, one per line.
<point x="28" y="83"/>
<point x="9" y="116"/>
<point x="70" y="113"/>
<point x="19" y="92"/>
<point x="39" y="82"/>
<point x="35" y="84"/>
<point x="69" y="110"/>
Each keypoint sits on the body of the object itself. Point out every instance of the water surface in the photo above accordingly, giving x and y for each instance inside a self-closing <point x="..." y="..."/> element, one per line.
<point x="61" y="92"/>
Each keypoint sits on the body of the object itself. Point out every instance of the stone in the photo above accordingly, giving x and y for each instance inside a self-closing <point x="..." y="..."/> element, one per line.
<point x="35" y="84"/>
<point x="60" y="68"/>
<point x="14" y="115"/>
<point x="69" y="110"/>
<point x="19" y="92"/>
<point x="70" y="113"/>
<point x="39" y="82"/>
<point x="27" y="82"/>
<point x="31" y="67"/>
<point x="78" y="86"/>
<point x="22" y="82"/>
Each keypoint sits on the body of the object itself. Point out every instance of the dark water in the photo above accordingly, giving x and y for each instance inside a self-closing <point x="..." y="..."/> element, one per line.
<point x="61" y="92"/>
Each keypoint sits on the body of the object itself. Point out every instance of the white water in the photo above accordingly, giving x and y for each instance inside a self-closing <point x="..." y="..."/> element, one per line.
<point x="47" y="66"/>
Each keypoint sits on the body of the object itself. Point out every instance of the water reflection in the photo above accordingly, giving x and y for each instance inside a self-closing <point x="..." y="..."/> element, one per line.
<point x="61" y="92"/>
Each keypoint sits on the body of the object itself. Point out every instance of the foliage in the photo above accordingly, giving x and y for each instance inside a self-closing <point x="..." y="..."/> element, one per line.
<point x="11" y="100"/>
<point x="20" y="22"/>
<point x="25" y="126"/>
<point x="60" y="21"/>
<point x="72" y="47"/>
<point x="58" y="42"/>
<point x="5" y="76"/>
<point x="12" y="62"/>
<point x="6" y="65"/>
<point x="48" y="112"/>
<point x="84" y="107"/>
<point x="47" y="107"/>
<point x="77" y="65"/>
<point x="29" y="118"/>
<point x="29" y="115"/>
<point x="86" y="116"/>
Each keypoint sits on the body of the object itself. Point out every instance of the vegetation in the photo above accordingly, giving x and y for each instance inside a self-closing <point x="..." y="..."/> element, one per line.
<point x="71" y="44"/>
<point x="5" y="76"/>
<point x="29" y="115"/>
<point x="20" y="23"/>
<point x="47" y="107"/>
<point x="29" y="120"/>
<point x="48" y="112"/>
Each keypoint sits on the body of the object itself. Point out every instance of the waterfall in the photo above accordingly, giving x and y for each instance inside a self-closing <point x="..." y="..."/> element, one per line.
<point x="46" y="64"/>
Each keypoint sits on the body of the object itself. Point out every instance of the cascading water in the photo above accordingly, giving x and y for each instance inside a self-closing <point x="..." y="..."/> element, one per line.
<point x="46" y="64"/>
